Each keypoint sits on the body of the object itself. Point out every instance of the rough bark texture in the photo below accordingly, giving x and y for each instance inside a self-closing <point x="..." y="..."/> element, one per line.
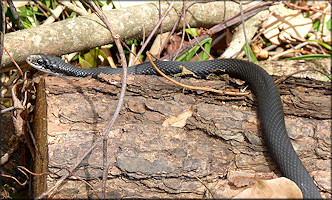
<point x="220" y="144"/>
<point x="82" y="33"/>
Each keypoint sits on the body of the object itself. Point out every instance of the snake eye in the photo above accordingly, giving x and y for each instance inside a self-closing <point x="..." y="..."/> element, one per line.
<point x="40" y="61"/>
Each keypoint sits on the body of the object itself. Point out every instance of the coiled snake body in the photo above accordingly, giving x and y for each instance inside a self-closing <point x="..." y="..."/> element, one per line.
<point x="270" y="109"/>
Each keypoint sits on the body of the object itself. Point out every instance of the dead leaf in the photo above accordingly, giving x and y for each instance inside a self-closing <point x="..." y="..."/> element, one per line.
<point x="186" y="72"/>
<point x="285" y="25"/>
<point x="203" y="31"/>
<point x="260" y="53"/>
<point x="174" y="44"/>
<point x="179" y="120"/>
<point x="274" y="188"/>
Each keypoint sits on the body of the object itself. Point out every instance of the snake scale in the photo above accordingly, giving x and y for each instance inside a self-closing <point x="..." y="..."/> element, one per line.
<point x="270" y="110"/>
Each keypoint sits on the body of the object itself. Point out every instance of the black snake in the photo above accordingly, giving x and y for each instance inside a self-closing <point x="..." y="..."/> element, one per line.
<point x="270" y="109"/>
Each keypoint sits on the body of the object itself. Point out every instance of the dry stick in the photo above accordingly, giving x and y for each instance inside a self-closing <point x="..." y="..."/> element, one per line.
<point x="244" y="31"/>
<point x="313" y="49"/>
<point x="40" y="174"/>
<point x="192" y="87"/>
<point x="15" y="179"/>
<point x="175" y="25"/>
<point x="21" y="168"/>
<point x="3" y="30"/>
<point x="183" y="31"/>
<point x="122" y="94"/>
<point x="31" y="4"/>
<point x="308" y="45"/>
<point x="177" y="21"/>
<point x="305" y="8"/>
<point x="290" y="51"/>
<point x="169" y="36"/>
<point x="16" y="65"/>
<point x="153" y="32"/>
<point x="41" y="10"/>
<point x="186" y="24"/>
<point x="130" y="51"/>
<point x="183" y="14"/>
<point x="79" y="178"/>
<point x="208" y="189"/>
<point x="45" y="8"/>
<point x="74" y="8"/>
<point x="200" y="43"/>
<point x="7" y="110"/>
<point x="161" y="26"/>
<point x="199" y="38"/>
<point x="190" y="44"/>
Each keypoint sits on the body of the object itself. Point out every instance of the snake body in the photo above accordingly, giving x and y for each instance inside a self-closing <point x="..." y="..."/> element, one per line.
<point x="270" y="110"/>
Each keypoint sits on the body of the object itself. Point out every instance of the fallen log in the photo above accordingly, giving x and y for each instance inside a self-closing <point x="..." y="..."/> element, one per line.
<point x="219" y="148"/>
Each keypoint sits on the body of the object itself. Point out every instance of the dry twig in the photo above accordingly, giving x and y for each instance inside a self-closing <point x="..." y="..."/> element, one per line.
<point x="192" y="87"/>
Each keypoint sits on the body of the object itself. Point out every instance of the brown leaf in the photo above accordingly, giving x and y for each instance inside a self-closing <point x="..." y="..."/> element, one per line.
<point x="186" y="72"/>
<point x="274" y="188"/>
<point x="174" y="44"/>
<point x="179" y="120"/>
<point x="285" y="25"/>
<point x="260" y="53"/>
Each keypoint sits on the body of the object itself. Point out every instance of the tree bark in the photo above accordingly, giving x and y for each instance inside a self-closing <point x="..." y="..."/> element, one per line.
<point x="220" y="144"/>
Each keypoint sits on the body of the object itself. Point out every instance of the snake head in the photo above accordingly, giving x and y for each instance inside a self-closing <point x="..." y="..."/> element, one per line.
<point x="44" y="63"/>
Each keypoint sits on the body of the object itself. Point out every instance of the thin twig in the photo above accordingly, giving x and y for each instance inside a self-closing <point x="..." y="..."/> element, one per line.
<point x="193" y="87"/>
<point x="249" y="12"/>
<point x="291" y="5"/>
<point x="15" y="179"/>
<point x="123" y="88"/>
<point x="7" y="109"/>
<point x="41" y="10"/>
<point x="199" y="44"/>
<point x="21" y="168"/>
<point x="79" y="178"/>
<point x="31" y="4"/>
<point x="244" y="31"/>
<point x="289" y="51"/>
<point x="169" y="36"/>
<point x="205" y="186"/>
<point x="161" y="26"/>
<point x="36" y="174"/>
<point x="153" y="32"/>
<point x="3" y="30"/>
<point x="183" y="31"/>
<point x="16" y="65"/>
<point x="183" y="15"/>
